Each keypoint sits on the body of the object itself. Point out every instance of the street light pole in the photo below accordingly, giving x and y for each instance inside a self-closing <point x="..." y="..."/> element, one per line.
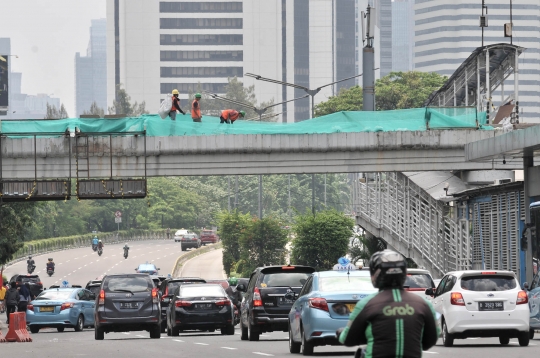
<point x="311" y="92"/>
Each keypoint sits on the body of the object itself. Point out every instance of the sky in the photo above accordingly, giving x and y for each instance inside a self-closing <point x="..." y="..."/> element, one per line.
<point x="46" y="34"/>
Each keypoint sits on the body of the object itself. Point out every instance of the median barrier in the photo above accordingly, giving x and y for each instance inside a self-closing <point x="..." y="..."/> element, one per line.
<point x="17" y="328"/>
<point x="181" y="260"/>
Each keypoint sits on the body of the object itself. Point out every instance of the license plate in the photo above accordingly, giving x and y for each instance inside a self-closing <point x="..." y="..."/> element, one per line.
<point x="490" y="306"/>
<point x="203" y="306"/>
<point x="284" y="301"/>
<point x="46" y="309"/>
<point x="128" y="305"/>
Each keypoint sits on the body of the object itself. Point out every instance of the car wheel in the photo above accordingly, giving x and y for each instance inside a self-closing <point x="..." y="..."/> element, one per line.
<point x="80" y="324"/>
<point x="244" y="336"/>
<point x="60" y="329"/>
<point x="504" y="340"/>
<point x="294" y="347"/>
<point x="531" y="333"/>
<point x="448" y="339"/>
<point x="183" y="248"/>
<point x="175" y="331"/>
<point x="229" y="330"/>
<point x="34" y="329"/>
<point x="523" y="339"/>
<point x="99" y="334"/>
<point x="155" y="332"/>
<point x="307" y="347"/>
<point x="253" y="336"/>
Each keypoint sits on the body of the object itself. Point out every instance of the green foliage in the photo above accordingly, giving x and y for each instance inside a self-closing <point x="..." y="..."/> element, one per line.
<point x="55" y="113"/>
<point x="231" y="227"/>
<point x="122" y="104"/>
<point x="95" y="110"/>
<point x="364" y="246"/>
<point x="321" y="239"/>
<point x="15" y="217"/>
<point x="397" y="90"/>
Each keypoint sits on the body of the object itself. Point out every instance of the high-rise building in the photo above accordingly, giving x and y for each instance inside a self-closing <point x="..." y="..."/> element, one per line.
<point x="447" y="31"/>
<point x="91" y="70"/>
<point x="402" y="35"/>
<point x="155" y="46"/>
<point x="385" y="26"/>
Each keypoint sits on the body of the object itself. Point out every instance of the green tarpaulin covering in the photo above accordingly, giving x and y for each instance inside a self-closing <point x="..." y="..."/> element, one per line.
<point x="417" y="119"/>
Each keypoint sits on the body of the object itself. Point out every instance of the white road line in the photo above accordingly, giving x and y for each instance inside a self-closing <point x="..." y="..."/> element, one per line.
<point x="430" y="352"/>
<point x="263" y="354"/>
<point x="201" y="344"/>
<point x="178" y="340"/>
<point x="229" y="348"/>
<point x="125" y="333"/>
<point x="138" y="335"/>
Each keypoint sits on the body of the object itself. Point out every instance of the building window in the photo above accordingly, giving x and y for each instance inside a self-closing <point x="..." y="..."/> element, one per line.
<point x="228" y="6"/>
<point x="193" y="87"/>
<point x="201" y="40"/>
<point x="200" y="23"/>
<point x="202" y="55"/>
<point x="202" y="72"/>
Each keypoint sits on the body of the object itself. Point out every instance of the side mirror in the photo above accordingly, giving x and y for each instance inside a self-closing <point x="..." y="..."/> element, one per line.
<point x="525" y="286"/>
<point x="241" y="287"/>
<point x="429" y="292"/>
<point x="291" y="296"/>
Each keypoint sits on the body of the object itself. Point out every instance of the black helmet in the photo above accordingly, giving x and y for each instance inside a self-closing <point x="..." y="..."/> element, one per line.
<point x="388" y="269"/>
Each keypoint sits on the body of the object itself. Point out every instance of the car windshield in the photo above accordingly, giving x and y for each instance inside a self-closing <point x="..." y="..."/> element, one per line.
<point x="281" y="279"/>
<point x="54" y="295"/>
<point x="342" y="283"/>
<point x="418" y="280"/>
<point x="202" y="291"/>
<point x="488" y="283"/>
<point x="131" y="284"/>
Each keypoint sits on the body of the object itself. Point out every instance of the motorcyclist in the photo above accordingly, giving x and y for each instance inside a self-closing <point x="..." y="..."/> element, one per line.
<point x="100" y="245"/>
<point x="126" y="249"/>
<point x="95" y="241"/>
<point x="50" y="264"/>
<point x="392" y="322"/>
<point x="31" y="263"/>
<point x="233" y="293"/>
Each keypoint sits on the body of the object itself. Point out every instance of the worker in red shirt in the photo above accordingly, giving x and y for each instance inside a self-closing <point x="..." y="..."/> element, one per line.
<point x="230" y="115"/>
<point x="175" y="105"/>
<point x="196" y="108"/>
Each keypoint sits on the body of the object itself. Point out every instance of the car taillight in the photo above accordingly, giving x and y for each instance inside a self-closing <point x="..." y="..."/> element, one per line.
<point x="257" y="302"/>
<point x="223" y="303"/>
<point x="522" y="298"/>
<point x="101" y="300"/>
<point x="318" y="303"/>
<point x="182" y="303"/>
<point x="155" y="296"/>
<point x="30" y="307"/>
<point x="39" y="283"/>
<point x="66" y="305"/>
<point x="457" y="299"/>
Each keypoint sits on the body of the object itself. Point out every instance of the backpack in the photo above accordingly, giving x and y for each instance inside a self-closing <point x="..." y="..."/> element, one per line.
<point x="165" y="107"/>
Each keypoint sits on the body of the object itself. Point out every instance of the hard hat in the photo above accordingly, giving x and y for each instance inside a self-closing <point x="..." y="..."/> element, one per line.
<point x="242" y="113"/>
<point x="175" y="91"/>
<point x="198" y="95"/>
<point x="388" y="269"/>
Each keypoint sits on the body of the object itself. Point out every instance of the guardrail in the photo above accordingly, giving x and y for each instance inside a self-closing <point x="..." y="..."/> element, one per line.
<point x="194" y="253"/>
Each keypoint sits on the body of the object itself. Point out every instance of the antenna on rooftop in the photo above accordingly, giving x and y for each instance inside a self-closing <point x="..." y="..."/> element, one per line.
<point x="483" y="20"/>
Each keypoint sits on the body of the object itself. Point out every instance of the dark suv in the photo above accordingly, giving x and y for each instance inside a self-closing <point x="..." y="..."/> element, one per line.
<point x="265" y="308"/>
<point x="33" y="280"/>
<point x="168" y="287"/>
<point x="128" y="302"/>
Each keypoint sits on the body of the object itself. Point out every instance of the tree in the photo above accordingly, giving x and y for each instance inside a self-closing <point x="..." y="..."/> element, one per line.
<point x="397" y="90"/>
<point x="122" y="104"/>
<point x="14" y="218"/>
<point x="321" y="239"/>
<point x="231" y="227"/>
<point x="95" y="110"/>
<point x="55" y="113"/>
<point x="364" y="246"/>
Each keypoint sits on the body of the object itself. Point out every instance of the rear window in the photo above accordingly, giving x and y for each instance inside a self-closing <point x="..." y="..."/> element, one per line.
<point x="54" y="295"/>
<point x="132" y="284"/>
<point x="420" y="280"/>
<point x="202" y="291"/>
<point x="342" y="283"/>
<point x="488" y="283"/>
<point x="292" y="279"/>
<point x="25" y="279"/>
<point x="207" y="233"/>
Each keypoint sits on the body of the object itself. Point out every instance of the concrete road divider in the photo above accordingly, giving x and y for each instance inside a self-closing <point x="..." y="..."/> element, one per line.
<point x="17" y="328"/>
<point x="180" y="261"/>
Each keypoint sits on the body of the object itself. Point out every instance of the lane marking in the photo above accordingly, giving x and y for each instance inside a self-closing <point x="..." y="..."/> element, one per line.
<point x="125" y="332"/>
<point x="430" y="352"/>
<point x="201" y="344"/>
<point x="263" y="354"/>
<point x="178" y="340"/>
<point x="229" y="348"/>
<point x="138" y="335"/>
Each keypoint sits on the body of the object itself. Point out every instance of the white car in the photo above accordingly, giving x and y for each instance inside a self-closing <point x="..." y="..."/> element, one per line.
<point x="417" y="281"/>
<point x="482" y="304"/>
<point x="180" y="233"/>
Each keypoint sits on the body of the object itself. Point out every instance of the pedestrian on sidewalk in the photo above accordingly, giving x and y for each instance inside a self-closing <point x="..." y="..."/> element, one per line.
<point x="196" y="108"/>
<point x="12" y="299"/>
<point x="230" y="115"/>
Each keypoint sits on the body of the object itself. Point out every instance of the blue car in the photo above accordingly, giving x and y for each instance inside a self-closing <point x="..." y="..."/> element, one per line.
<point x="324" y="305"/>
<point x="60" y="308"/>
<point x="150" y="269"/>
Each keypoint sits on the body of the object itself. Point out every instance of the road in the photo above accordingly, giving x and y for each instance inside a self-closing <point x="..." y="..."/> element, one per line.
<point x="50" y="343"/>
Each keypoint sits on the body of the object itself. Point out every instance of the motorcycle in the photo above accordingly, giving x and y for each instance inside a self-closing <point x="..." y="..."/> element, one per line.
<point x="126" y="254"/>
<point x="50" y="272"/>
<point x="94" y="247"/>
<point x="30" y="269"/>
<point x="99" y="251"/>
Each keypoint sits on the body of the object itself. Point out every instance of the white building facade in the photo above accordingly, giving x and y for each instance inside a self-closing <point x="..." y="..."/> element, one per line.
<point x="447" y="31"/>
<point x="155" y="46"/>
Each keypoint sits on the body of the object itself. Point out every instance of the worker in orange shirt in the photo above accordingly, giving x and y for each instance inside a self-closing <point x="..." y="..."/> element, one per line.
<point x="196" y="108"/>
<point x="230" y="115"/>
<point x="175" y="105"/>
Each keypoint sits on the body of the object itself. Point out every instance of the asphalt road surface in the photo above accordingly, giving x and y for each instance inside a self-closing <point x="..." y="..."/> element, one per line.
<point x="71" y="265"/>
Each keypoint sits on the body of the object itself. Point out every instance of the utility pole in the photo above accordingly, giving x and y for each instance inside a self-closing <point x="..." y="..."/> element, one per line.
<point x="313" y="193"/>
<point x="236" y="192"/>
<point x="368" y="61"/>
<point x="228" y="193"/>
<point x="260" y="198"/>
<point x="289" y="206"/>
<point x="324" y="189"/>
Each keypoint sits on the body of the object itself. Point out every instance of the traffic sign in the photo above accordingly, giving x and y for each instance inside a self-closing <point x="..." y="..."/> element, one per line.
<point x="118" y="214"/>
<point x="118" y="220"/>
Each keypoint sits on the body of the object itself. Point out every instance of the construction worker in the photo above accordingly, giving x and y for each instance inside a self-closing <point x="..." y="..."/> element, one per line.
<point x="196" y="108"/>
<point x="175" y="105"/>
<point x="230" y="115"/>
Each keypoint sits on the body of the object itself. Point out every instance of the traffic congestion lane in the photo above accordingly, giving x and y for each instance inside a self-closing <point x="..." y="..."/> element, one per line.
<point x="207" y="266"/>
<point x="78" y="266"/>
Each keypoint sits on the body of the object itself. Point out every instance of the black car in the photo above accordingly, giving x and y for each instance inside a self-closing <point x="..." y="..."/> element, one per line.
<point x="190" y="240"/>
<point x="94" y="287"/>
<point x="265" y="308"/>
<point x="200" y="306"/>
<point x="36" y="286"/>
<point x="169" y="286"/>
<point x="128" y="302"/>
